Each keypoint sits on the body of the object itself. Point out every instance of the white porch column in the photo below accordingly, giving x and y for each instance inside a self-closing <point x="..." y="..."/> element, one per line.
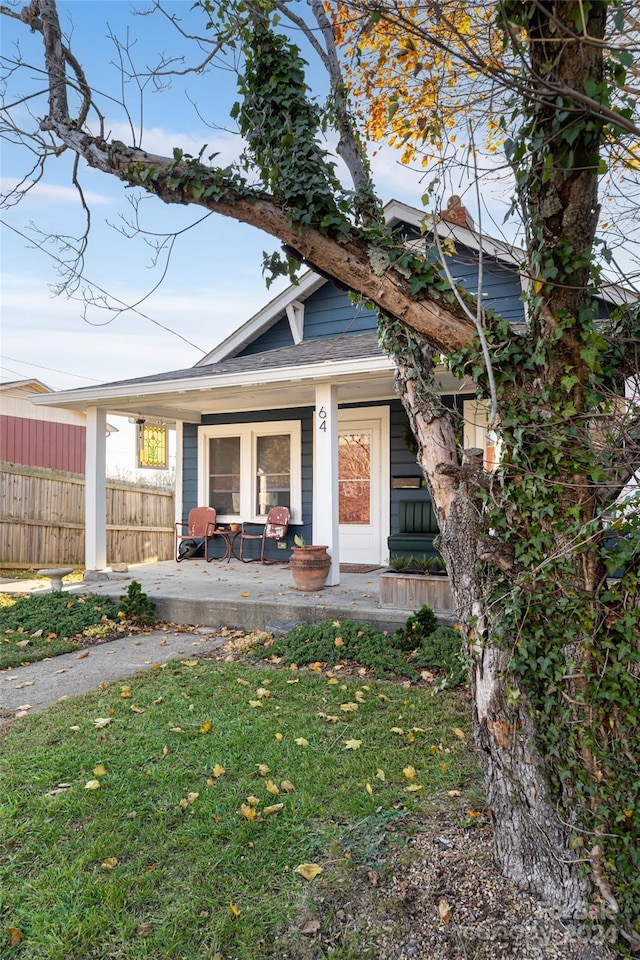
<point x="179" y="472"/>
<point x="95" y="494"/>
<point x="325" y="476"/>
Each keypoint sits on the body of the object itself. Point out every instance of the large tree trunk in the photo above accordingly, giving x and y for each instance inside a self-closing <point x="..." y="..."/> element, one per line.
<point x="531" y="834"/>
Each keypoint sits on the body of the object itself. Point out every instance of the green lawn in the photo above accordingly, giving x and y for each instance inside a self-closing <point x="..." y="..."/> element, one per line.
<point x="163" y="859"/>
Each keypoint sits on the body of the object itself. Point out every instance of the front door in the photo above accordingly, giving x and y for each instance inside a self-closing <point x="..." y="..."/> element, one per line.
<point x="363" y="484"/>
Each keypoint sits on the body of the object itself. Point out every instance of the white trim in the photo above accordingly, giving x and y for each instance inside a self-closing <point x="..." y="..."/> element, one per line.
<point x="248" y="433"/>
<point x="323" y="370"/>
<point x="295" y="316"/>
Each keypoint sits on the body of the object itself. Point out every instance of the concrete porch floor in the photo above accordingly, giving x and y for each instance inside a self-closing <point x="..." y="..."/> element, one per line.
<point x="246" y="596"/>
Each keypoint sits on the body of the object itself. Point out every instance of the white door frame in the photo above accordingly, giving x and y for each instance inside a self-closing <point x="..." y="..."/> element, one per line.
<point x="376" y="419"/>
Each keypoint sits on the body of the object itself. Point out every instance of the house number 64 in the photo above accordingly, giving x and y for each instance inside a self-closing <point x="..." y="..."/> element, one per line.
<point x="322" y="417"/>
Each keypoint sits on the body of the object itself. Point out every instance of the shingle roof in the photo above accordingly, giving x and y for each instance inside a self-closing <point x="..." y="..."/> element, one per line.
<point x="344" y="347"/>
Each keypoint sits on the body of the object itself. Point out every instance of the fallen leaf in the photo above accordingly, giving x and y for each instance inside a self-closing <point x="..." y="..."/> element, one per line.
<point x="135" y="709"/>
<point x="243" y="683"/>
<point x="101" y="722"/>
<point x="460" y="734"/>
<point x="189" y="663"/>
<point x="384" y="698"/>
<point x="310" y="928"/>
<point x="206" y="726"/>
<point x="246" y="811"/>
<point x="360" y="697"/>
<point x="273" y="809"/>
<point x="296" y="680"/>
<point x="254" y="801"/>
<point x="309" y="870"/>
<point x="262" y="692"/>
<point x="75" y="727"/>
<point x="287" y="787"/>
<point x="92" y="785"/>
<point x="99" y="770"/>
<point x="81" y="656"/>
<point x="302" y="742"/>
<point x="279" y="737"/>
<point x="263" y="769"/>
<point x="245" y="593"/>
<point x="338" y="642"/>
<point x="369" y="789"/>
<point x="353" y="744"/>
<point x="125" y="692"/>
<point x="235" y="911"/>
<point x="328" y="717"/>
<point x="414" y="788"/>
<point x="380" y="775"/>
<point x="349" y="707"/>
<point x="218" y="771"/>
<point x="15" y="936"/>
<point x="271" y="788"/>
<point x="397" y="730"/>
<point x="21" y="686"/>
<point x="192" y="797"/>
<point x="410" y="737"/>
<point x="453" y="793"/>
<point x="110" y="863"/>
<point x="474" y="813"/>
<point x="333" y="681"/>
<point x="409" y="772"/>
<point x="256" y="703"/>
<point x="444" y="909"/>
<point x="144" y="929"/>
<point x="427" y="675"/>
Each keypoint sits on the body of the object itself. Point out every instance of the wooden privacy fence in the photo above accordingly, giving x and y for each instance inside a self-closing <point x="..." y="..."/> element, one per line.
<point x="42" y="519"/>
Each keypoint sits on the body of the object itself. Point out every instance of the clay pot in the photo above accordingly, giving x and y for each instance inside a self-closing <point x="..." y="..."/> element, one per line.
<point x="310" y="567"/>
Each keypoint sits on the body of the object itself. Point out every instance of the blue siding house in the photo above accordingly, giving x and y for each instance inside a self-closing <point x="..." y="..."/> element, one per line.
<point x="297" y="407"/>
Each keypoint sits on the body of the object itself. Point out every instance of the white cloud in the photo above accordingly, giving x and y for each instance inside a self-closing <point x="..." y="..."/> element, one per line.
<point x="51" y="193"/>
<point x="161" y="141"/>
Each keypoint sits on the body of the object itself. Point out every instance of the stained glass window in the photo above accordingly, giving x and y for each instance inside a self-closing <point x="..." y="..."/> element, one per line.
<point x="152" y="447"/>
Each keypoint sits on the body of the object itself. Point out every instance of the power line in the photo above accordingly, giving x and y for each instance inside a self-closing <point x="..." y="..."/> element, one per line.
<point x="100" y="289"/>
<point x="40" y="366"/>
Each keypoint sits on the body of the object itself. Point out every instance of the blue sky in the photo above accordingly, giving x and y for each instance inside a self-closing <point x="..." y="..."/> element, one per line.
<point x="214" y="280"/>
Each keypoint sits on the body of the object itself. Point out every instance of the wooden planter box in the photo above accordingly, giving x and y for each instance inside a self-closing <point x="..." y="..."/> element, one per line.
<point x="410" y="591"/>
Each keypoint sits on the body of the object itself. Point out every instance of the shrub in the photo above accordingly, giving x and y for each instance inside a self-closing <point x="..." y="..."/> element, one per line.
<point x="330" y="642"/>
<point x="136" y="605"/>
<point x="64" y="614"/>
<point x="417" y="626"/>
<point x="442" y="649"/>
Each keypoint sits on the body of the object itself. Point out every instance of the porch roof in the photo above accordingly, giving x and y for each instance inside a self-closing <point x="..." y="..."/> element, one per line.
<point x="275" y="379"/>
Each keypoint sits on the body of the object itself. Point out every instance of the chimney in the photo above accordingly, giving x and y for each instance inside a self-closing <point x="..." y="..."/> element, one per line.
<point x="456" y="213"/>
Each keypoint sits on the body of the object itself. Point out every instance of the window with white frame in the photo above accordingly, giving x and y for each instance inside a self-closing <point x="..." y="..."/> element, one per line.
<point x="245" y="469"/>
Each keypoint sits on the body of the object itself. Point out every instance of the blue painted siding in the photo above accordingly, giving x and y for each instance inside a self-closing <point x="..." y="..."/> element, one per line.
<point x="189" y="469"/>
<point x="328" y="313"/>
<point x="501" y="288"/>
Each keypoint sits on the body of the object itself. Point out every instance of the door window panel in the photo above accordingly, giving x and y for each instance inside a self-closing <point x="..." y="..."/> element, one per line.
<point x="354" y="478"/>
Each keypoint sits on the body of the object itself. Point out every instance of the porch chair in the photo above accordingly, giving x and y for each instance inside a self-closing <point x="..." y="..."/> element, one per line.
<point x="275" y="528"/>
<point x="201" y="527"/>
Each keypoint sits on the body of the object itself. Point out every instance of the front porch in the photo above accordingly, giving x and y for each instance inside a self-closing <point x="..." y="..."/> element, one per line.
<point x="248" y="596"/>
